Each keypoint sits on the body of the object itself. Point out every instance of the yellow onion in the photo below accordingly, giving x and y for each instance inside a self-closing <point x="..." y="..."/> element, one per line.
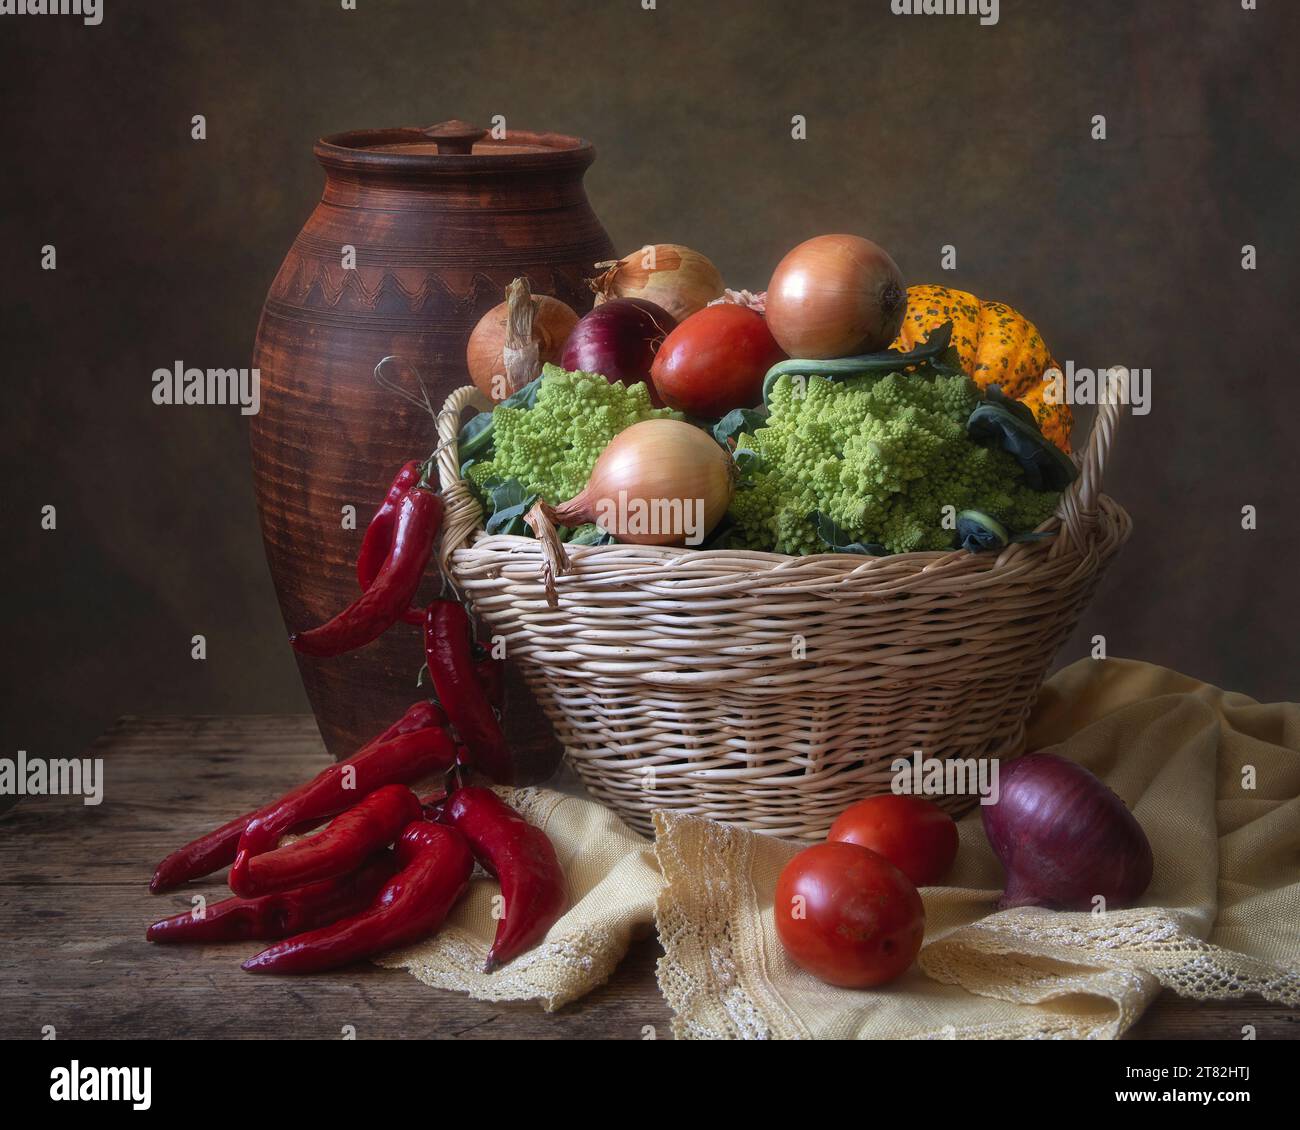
<point x="836" y="296"/>
<point x="515" y="338"/>
<point x="659" y="482"/>
<point x="667" y="274"/>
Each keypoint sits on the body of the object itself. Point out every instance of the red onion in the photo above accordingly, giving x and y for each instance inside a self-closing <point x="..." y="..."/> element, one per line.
<point x="619" y="340"/>
<point x="1064" y="837"/>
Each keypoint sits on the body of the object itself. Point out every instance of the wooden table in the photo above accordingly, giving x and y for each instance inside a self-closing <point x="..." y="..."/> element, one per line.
<point x="76" y="905"/>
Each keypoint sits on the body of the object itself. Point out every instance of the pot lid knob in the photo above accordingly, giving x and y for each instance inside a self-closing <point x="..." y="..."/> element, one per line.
<point x="455" y="136"/>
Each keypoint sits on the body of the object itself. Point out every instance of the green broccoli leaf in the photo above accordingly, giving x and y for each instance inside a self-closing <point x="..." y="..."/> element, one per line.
<point x="837" y="541"/>
<point x="736" y="421"/>
<point x="948" y="364"/>
<point x="590" y="534"/>
<point x="978" y="532"/>
<point x="1045" y="465"/>
<point x="994" y="395"/>
<point x="509" y="502"/>
<point x="474" y="439"/>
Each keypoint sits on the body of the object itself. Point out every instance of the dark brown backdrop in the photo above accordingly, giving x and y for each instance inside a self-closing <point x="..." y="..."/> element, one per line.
<point x="922" y="131"/>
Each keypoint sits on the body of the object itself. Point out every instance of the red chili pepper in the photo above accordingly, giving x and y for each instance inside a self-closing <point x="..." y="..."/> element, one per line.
<point x="351" y="838"/>
<point x="389" y="595"/>
<point x="491" y="675"/>
<point x="403" y="760"/>
<point x="435" y="863"/>
<point x="418" y="716"/>
<point x="448" y="652"/>
<point x="217" y="849"/>
<point x="283" y="914"/>
<point x="492" y="678"/>
<point x="523" y="860"/>
<point x="378" y="539"/>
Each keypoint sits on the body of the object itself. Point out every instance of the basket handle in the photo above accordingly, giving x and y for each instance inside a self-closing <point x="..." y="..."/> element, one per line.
<point x="462" y="514"/>
<point x="555" y="558"/>
<point x="1078" y="505"/>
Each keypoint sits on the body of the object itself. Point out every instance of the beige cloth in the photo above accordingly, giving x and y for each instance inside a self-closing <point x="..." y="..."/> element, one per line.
<point x="1222" y="916"/>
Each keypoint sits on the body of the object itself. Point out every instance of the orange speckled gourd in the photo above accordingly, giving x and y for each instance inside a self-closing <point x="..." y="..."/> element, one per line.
<point x="997" y="345"/>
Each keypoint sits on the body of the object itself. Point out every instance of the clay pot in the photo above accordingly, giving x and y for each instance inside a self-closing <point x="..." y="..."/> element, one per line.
<point x="416" y="236"/>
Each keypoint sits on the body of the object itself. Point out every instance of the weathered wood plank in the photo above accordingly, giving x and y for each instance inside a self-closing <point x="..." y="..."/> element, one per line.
<point x="1172" y="1017"/>
<point x="74" y="906"/>
<point x="162" y="787"/>
<point x="75" y="958"/>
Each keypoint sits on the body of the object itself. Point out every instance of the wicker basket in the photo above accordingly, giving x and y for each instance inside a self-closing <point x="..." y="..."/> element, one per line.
<point x="672" y="678"/>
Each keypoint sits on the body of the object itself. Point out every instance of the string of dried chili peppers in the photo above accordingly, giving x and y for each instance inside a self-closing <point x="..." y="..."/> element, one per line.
<point x="435" y="864"/>
<point x="282" y="914"/>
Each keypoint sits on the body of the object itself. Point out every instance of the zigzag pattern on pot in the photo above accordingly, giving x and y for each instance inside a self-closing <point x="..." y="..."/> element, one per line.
<point x="315" y="284"/>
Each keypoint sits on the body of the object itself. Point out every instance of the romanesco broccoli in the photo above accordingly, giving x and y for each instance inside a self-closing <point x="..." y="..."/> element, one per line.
<point x="881" y="456"/>
<point x="551" y="447"/>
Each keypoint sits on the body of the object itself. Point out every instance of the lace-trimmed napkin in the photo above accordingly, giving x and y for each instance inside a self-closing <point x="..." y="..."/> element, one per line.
<point x="1223" y="917"/>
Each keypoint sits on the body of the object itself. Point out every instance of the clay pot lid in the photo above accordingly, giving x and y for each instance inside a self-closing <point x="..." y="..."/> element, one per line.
<point x="451" y="146"/>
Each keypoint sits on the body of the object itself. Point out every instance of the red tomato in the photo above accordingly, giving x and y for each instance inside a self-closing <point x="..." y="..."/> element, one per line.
<point x="715" y="361"/>
<point x="915" y="835"/>
<point x="848" y="916"/>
